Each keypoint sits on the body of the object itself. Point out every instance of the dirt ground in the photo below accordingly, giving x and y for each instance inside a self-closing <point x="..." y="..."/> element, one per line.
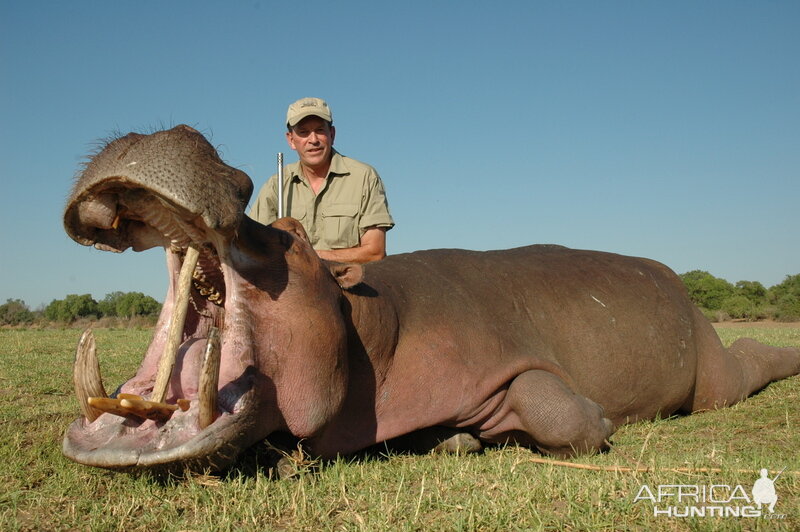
<point x="765" y="324"/>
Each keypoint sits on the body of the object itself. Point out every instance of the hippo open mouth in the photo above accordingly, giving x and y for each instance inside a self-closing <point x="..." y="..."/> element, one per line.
<point x="193" y="398"/>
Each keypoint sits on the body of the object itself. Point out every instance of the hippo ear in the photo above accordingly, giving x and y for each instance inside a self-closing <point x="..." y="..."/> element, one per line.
<point x="290" y="225"/>
<point x="347" y="275"/>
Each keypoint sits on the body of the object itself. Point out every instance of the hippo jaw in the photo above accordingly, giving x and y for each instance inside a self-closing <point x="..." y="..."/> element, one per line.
<point x="210" y="428"/>
<point x="168" y="422"/>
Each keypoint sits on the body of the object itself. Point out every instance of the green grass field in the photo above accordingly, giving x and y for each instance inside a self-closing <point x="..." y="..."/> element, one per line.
<point x="500" y="489"/>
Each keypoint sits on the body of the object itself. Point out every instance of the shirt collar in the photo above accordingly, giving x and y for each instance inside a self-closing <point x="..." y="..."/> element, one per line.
<point x="338" y="166"/>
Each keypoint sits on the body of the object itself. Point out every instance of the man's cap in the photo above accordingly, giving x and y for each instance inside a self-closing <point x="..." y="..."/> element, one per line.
<point x="308" y="107"/>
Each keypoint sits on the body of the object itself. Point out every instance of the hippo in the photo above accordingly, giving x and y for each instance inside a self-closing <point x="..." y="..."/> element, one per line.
<point x="541" y="346"/>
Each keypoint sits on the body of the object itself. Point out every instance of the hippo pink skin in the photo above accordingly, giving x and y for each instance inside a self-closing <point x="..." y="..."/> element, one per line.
<point x="541" y="346"/>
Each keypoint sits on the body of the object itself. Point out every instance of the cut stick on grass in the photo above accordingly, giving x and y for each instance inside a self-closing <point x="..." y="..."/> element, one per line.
<point x="642" y="469"/>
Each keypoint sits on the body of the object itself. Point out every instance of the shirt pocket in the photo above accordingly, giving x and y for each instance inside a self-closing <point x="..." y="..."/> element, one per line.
<point x="297" y="211"/>
<point x="340" y="221"/>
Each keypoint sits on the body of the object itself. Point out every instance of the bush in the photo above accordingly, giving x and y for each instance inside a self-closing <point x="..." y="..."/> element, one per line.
<point x="788" y="308"/>
<point x="137" y="304"/>
<point x="752" y="290"/>
<point x="705" y="290"/>
<point x="71" y="308"/>
<point x="128" y="305"/>
<point x="740" y="307"/>
<point x="123" y="305"/>
<point x="15" y="312"/>
<point x="720" y="300"/>
<point x="786" y="298"/>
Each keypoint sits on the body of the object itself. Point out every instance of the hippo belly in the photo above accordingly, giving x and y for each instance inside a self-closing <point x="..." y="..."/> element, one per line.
<point x="615" y="338"/>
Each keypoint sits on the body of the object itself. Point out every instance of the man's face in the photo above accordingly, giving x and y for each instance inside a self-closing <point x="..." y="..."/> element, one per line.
<point x="312" y="139"/>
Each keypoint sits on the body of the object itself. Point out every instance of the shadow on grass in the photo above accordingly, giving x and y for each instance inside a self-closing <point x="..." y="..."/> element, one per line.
<point x="281" y="456"/>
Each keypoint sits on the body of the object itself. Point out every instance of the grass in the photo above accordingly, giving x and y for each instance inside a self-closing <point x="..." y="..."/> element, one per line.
<point x="500" y="489"/>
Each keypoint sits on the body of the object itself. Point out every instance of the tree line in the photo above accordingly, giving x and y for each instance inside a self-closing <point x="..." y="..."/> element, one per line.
<point x="75" y="307"/>
<point x="750" y="300"/>
<point x="717" y="298"/>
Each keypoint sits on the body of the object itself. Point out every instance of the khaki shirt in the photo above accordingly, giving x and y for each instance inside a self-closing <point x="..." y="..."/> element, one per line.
<point x="351" y="201"/>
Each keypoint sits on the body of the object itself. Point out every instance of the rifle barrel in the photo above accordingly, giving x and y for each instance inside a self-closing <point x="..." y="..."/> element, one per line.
<point x="280" y="185"/>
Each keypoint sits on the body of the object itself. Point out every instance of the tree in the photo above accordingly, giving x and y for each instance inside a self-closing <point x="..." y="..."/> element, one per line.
<point x="786" y="297"/>
<point x="136" y="304"/>
<point x="705" y="290"/>
<point x="71" y="308"/>
<point x="122" y="304"/>
<point x="108" y="306"/>
<point x="752" y="290"/>
<point x="15" y="312"/>
<point x="739" y="306"/>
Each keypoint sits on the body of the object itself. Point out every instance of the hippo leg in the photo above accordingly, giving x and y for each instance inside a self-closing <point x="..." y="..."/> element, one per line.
<point x="726" y="376"/>
<point x="541" y="410"/>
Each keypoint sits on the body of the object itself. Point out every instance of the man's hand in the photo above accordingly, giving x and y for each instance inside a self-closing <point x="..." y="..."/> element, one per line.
<point x="371" y="248"/>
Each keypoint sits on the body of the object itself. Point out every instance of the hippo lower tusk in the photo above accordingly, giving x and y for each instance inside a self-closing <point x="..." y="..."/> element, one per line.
<point x="86" y="375"/>
<point x="209" y="380"/>
<point x="175" y="334"/>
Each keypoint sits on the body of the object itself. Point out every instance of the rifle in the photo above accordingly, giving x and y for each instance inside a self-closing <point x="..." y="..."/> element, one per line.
<point x="280" y="184"/>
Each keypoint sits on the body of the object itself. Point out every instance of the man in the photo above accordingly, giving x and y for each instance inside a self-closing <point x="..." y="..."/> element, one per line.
<point x="341" y="202"/>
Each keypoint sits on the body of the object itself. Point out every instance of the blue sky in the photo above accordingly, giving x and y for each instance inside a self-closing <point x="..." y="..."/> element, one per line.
<point x="669" y="130"/>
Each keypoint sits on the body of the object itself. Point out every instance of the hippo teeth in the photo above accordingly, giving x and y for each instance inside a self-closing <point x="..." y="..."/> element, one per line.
<point x="209" y="380"/>
<point x="127" y="405"/>
<point x="86" y="376"/>
<point x="177" y="321"/>
<point x="92" y="395"/>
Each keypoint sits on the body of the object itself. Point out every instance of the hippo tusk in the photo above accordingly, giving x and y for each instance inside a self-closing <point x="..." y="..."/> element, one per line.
<point x="86" y="375"/>
<point x="209" y="380"/>
<point x="175" y="334"/>
<point x="92" y="395"/>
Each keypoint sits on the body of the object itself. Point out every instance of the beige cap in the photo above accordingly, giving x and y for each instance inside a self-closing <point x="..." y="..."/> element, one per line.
<point x="308" y="107"/>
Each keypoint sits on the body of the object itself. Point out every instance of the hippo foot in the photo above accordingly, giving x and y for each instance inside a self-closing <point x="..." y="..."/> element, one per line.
<point x="436" y="439"/>
<point x="461" y="443"/>
<point x="287" y="467"/>
<point x="295" y="465"/>
<point x="287" y="458"/>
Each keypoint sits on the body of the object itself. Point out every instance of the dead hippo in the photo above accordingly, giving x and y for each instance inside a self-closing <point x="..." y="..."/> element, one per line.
<point x="542" y="346"/>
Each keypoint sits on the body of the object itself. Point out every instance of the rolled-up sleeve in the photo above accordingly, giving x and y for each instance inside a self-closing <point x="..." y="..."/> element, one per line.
<point x="265" y="208"/>
<point x="375" y="206"/>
